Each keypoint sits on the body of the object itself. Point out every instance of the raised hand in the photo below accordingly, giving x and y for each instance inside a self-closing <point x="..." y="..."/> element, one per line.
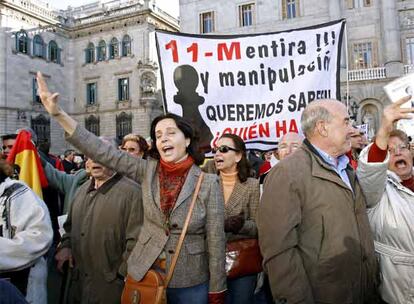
<point x="49" y="100"/>
<point x="392" y="113"/>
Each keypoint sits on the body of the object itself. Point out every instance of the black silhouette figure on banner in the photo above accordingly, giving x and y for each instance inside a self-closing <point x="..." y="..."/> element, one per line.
<point x="186" y="81"/>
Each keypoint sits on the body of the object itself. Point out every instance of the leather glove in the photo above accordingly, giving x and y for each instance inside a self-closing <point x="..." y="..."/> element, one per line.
<point x="217" y="297"/>
<point x="234" y="223"/>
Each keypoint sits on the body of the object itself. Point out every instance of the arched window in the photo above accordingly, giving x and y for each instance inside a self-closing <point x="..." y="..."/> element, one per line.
<point x="126" y="46"/>
<point x="38" y="47"/>
<point x="90" y="53"/>
<point x="92" y="124"/>
<point x="54" y="52"/>
<point x="101" y="51"/>
<point x="114" y="48"/>
<point x="22" y="42"/>
<point x="123" y="125"/>
<point x="370" y="117"/>
<point x="41" y="126"/>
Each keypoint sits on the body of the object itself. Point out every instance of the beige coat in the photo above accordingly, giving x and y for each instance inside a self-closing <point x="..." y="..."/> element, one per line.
<point x="314" y="233"/>
<point x="202" y="257"/>
<point x="102" y="229"/>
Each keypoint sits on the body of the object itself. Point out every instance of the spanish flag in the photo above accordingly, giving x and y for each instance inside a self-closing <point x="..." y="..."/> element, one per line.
<point x="24" y="155"/>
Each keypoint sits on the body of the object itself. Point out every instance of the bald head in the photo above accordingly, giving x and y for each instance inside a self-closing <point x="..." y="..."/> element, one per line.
<point x="326" y="125"/>
<point x="319" y="110"/>
<point x="289" y="143"/>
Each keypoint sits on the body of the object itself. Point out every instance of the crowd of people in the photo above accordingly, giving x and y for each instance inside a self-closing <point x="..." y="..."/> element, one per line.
<point x="331" y="213"/>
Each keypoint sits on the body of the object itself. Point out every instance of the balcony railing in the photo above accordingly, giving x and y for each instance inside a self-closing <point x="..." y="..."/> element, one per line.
<point x="109" y="14"/>
<point x="408" y="69"/>
<point x="125" y="10"/>
<point x="367" y="74"/>
<point x="38" y="7"/>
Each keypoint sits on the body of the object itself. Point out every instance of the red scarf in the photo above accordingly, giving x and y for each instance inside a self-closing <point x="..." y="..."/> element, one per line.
<point x="172" y="177"/>
<point x="409" y="183"/>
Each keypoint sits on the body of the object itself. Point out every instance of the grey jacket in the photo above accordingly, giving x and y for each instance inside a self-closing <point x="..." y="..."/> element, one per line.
<point x="202" y="257"/>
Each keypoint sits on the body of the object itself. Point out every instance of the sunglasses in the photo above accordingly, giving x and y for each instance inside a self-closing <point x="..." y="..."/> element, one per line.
<point x="223" y="149"/>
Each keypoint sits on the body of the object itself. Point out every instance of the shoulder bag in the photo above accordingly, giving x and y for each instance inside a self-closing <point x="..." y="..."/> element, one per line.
<point x="151" y="289"/>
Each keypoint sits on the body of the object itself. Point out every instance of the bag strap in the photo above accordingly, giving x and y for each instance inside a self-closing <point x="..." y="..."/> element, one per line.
<point x="7" y="193"/>
<point x="184" y="231"/>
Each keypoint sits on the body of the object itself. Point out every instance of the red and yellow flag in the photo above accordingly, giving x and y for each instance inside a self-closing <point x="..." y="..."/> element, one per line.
<point x="24" y="154"/>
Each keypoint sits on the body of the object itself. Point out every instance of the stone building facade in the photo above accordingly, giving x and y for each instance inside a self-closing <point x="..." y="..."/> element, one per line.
<point x="100" y="57"/>
<point x="379" y="39"/>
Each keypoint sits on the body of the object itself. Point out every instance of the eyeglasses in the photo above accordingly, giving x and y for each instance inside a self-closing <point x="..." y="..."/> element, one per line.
<point x="129" y="149"/>
<point x="398" y="148"/>
<point x="292" y="146"/>
<point x="223" y="149"/>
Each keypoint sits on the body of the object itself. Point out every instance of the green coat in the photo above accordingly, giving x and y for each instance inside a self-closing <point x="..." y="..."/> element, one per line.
<point x="68" y="184"/>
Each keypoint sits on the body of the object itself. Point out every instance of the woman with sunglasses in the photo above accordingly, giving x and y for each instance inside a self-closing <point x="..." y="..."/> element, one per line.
<point x="241" y="197"/>
<point x="168" y="179"/>
<point x="135" y="144"/>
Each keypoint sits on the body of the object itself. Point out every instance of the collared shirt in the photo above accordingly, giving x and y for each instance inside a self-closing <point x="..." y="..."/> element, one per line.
<point x="106" y="185"/>
<point x="338" y="164"/>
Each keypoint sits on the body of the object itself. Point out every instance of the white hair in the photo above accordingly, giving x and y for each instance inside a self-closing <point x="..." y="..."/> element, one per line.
<point x="311" y="115"/>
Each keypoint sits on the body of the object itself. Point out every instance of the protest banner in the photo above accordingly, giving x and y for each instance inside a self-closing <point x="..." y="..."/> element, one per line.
<point x="255" y="85"/>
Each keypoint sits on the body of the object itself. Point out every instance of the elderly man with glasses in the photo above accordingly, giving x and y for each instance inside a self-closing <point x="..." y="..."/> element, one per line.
<point x="386" y="176"/>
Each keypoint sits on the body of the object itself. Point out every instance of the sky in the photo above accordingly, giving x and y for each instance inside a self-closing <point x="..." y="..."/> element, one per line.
<point x="170" y="6"/>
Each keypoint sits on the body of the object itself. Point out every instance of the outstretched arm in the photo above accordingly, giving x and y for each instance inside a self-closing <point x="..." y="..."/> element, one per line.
<point x="50" y="102"/>
<point x="373" y="160"/>
<point x="87" y="142"/>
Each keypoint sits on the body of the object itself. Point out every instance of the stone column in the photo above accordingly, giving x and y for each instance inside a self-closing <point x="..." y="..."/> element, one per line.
<point x="334" y="9"/>
<point x="390" y="32"/>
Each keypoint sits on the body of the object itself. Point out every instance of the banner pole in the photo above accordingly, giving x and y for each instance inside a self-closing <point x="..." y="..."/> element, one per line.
<point x="346" y="67"/>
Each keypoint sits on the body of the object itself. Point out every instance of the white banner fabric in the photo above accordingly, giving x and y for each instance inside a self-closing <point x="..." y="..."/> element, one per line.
<point x="255" y="86"/>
